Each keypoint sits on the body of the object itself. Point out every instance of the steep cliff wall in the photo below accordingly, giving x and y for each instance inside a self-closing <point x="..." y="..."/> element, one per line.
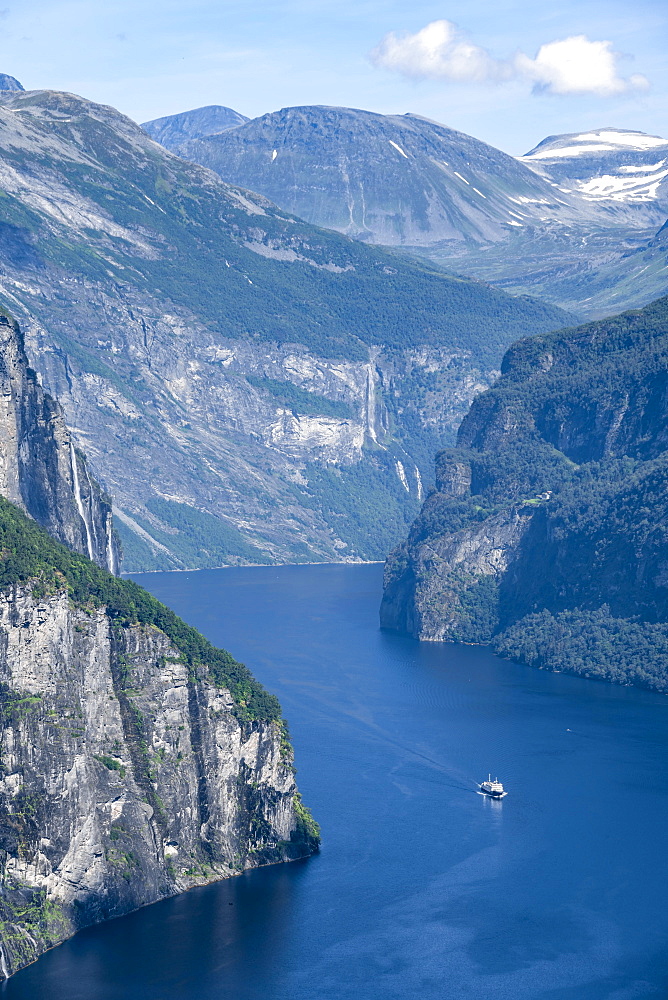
<point x="134" y="765"/>
<point x="40" y="468"/>
<point x="547" y="533"/>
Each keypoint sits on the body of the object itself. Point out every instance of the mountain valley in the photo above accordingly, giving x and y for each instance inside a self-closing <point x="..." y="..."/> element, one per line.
<point x="284" y="387"/>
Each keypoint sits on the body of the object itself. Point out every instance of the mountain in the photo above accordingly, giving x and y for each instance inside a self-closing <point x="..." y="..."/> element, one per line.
<point x="137" y="759"/>
<point x="248" y="387"/>
<point x="546" y="535"/>
<point x="9" y="82"/>
<point x="592" y="268"/>
<point x="173" y="130"/>
<point x="389" y="179"/>
<point x="610" y="166"/>
<point x="592" y="271"/>
<point x="557" y="223"/>
<point x="40" y="469"/>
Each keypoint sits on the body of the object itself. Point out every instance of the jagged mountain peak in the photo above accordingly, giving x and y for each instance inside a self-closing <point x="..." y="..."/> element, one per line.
<point x="172" y="130"/>
<point x="8" y="82"/>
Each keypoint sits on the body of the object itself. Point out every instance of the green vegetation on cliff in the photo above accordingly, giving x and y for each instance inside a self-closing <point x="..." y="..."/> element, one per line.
<point x="592" y="644"/>
<point x="29" y="555"/>
<point x="580" y="417"/>
<point x="309" y="404"/>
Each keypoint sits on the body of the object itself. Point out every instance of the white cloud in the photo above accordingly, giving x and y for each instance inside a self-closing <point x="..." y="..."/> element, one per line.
<point x="440" y="51"/>
<point x="577" y="66"/>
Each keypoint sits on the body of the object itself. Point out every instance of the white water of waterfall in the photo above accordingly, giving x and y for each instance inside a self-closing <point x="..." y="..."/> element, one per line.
<point x="420" y="490"/>
<point x="90" y="505"/>
<point x="111" y="555"/>
<point x="77" y="497"/>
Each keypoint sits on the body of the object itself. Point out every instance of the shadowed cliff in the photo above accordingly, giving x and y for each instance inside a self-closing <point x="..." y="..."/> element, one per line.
<point x="546" y="535"/>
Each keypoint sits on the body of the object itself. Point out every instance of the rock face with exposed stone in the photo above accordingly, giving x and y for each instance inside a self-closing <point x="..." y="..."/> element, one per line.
<point x="546" y="534"/>
<point x="125" y="777"/>
<point x="41" y="470"/>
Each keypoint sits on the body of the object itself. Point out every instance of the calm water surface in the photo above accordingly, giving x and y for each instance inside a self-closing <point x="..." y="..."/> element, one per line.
<point x="423" y="887"/>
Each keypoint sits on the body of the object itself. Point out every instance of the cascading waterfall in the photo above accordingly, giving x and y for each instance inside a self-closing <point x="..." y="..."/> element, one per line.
<point x="370" y="405"/>
<point x="418" y="478"/>
<point x="90" y="508"/>
<point x="111" y="555"/>
<point x="77" y="497"/>
<point x="3" y="963"/>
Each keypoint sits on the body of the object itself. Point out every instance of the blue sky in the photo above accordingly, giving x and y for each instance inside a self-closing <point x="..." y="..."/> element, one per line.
<point x="489" y="69"/>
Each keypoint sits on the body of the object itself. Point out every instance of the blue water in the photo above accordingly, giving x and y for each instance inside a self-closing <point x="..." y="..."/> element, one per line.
<point x="424" y="888"/>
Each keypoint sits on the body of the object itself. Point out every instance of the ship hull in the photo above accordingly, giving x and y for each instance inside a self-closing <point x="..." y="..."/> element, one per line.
<point x="492" y="795"/>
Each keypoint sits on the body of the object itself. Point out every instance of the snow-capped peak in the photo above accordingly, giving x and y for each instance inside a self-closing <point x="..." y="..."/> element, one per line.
<point x="607" y="164"/>
<point x="597" y="141"/>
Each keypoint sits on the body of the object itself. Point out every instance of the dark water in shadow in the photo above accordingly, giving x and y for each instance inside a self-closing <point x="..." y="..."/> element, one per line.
<point x="424" y="889"/>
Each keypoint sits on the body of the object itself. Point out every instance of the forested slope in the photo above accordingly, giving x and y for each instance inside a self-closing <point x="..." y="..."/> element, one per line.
<point x="547" y="533"/>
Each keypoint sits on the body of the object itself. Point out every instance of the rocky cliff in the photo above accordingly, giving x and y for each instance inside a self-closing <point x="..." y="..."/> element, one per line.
<point x="41" y="470"/>
<point x="546" y="534"/>
<point x="136" y="760"/>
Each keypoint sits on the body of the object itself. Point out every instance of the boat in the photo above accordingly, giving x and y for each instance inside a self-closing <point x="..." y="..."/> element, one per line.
<point x="493" y="788"/>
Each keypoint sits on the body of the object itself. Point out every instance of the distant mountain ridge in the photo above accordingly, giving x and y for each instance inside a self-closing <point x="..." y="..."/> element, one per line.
<point x="173" y="130"/>
<point x="9" y="82"/>
<point x="389" y="179"/>
<point x="558" y="223"/>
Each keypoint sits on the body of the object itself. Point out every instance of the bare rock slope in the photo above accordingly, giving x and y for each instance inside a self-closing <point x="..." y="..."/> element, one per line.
<point x="128" y="774"/>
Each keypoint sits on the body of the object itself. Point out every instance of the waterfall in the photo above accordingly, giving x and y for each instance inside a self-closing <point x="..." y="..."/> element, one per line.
<point x="420" y="490"/>
<point x="3" y="963"/>
<point x="90" y="508"/>
<point x="401" y="472"/>
<point x="370" y="405"/>
<point x="77" y="497"/>
<point x="111" y="555"/>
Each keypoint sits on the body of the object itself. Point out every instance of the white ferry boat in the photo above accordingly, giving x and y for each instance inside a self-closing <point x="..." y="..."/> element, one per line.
<point x="493" y="788"/>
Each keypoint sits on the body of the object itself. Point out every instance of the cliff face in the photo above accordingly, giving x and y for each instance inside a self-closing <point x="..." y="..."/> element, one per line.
<point x="553" y="509"/>
<point x="40" y="468"/>
<point x="126" y="775"/>
<point x="424" y="584"/>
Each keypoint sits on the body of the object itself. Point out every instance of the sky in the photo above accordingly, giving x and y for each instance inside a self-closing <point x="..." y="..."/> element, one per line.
<point x="509" y="72"/>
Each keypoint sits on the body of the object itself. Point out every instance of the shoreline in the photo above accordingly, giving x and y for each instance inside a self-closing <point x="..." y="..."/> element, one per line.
<point x="201" y="569"/>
